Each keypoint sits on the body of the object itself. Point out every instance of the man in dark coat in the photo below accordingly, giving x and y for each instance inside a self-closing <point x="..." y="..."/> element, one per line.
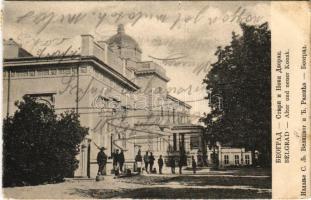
<point x="101" y="161"/>
<point x="146" y="161"/>
<point x="138" y="160"/>
<point x="160" y="163"/>
<point x="121" y="160"/>
<point x="151" y="162"/>
<point x="115" y="161"/>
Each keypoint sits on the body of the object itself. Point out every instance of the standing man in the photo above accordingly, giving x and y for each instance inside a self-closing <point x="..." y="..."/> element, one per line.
<point x="151" y="162"/>
<point x="146" y="161"/>
<point x="121" y="160"/>
<point x="172" y="163"/>
<point x="101" y="161"/>
<point x="160" y="163"/>
<point x="115" y="162"/>
<point x="194" y="165"/>
<point x="138" y="160"/>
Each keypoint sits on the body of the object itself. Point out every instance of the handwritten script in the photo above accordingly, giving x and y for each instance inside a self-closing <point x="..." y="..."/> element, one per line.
<point x="42" y="20"/>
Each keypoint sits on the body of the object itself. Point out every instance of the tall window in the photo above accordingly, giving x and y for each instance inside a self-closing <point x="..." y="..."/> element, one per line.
<point x="237" y="159"/>
<point x="247" y="159"/>
<point x="173" y="115"/>
<point x="168" y="115"/>
<point x="226" y="159"/>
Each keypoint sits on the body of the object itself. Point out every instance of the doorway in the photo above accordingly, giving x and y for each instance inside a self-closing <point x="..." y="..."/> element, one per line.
<point x="88" y="168"/>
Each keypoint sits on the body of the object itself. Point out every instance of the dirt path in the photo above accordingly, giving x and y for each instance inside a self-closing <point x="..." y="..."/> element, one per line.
<point x="153" y="186"/>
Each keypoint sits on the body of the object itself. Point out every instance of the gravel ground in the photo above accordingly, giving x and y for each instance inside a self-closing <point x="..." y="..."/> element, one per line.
<point x="235" y="184"/>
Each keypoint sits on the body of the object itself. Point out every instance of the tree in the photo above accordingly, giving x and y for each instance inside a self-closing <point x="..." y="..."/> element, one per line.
<point x="38" y="145"/>
<point x="241" y="77"/>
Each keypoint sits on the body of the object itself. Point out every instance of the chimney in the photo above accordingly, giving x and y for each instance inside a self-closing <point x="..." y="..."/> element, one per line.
<point x="87" y="45"/>
<point x="104" y="45"/>
<point x="12" y="49"/>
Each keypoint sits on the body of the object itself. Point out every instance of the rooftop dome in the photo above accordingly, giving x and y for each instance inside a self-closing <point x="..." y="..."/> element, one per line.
<point x="123" y="40"/>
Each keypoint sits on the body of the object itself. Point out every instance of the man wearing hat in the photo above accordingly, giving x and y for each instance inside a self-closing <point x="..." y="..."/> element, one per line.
<point x="101" y="161"/>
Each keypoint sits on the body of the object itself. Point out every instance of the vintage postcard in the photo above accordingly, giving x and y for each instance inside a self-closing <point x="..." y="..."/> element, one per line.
<point x="156" y="99"/>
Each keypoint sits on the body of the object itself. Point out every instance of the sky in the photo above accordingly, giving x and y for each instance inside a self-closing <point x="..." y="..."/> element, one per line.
<point x="187" y="31"/>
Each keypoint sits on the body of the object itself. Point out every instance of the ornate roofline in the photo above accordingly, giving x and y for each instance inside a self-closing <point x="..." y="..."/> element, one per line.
<point x="152" y="71"/>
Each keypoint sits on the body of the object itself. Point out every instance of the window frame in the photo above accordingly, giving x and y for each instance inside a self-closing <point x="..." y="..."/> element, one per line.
<point x="226" y="159"/>
<point x="236" y="159"/>
<point x="247" y="159"/>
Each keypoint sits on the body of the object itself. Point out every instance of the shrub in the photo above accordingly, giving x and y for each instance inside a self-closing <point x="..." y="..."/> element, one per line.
<point x="38" y="145"/>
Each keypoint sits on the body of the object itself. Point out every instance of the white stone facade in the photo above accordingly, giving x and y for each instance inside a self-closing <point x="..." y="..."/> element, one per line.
<point x="230" y="157"/>
<point x="122" y="99"/>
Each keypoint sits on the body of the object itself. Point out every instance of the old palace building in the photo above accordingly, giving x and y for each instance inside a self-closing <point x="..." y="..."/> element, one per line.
<point x="122" y="99"/>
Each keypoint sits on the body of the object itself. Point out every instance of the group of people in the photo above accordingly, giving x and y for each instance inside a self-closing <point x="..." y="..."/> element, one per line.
<point x="117" y="161"/>
<point x="148" y="159"/>
<point x="149" y="163"/>
<point x="181" y="161"/>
